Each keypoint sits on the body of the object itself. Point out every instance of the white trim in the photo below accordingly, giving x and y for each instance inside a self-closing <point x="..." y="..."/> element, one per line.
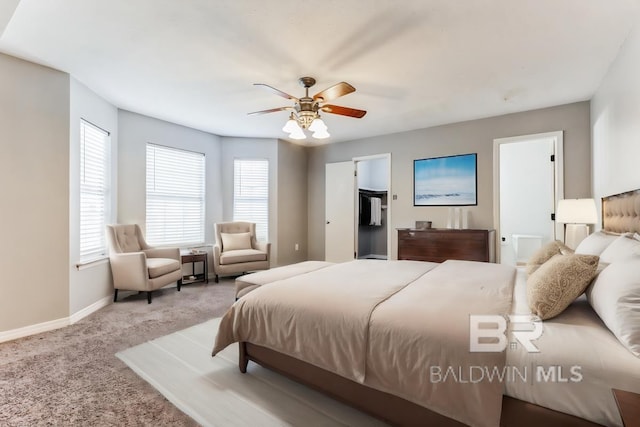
<point x="79" y="315"/>
<point x="82" y="265"/>
<point x="558" y="137"/>
<point x="33" y="329"/>
<point x="51" y="325"/>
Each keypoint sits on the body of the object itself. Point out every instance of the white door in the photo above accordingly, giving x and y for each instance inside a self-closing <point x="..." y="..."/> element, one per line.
<point x="527" y="197"/>
<point x="339" y="212"/>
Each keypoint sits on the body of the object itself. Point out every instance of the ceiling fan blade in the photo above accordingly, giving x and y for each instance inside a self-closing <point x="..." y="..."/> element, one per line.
<point x="343" y="111"/>
<point x="276" y="91"/>
<point x="272" y="110"/>
<point x="333" y="92"/>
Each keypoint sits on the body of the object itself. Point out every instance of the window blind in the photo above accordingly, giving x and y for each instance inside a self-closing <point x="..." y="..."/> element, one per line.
<point x="251" y="194"/>
<point x="175" y="196"/>
<point x="94" y="190"/>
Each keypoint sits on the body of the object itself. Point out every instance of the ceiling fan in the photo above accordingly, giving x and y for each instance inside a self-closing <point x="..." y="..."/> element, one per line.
<point x="305" y="113"/>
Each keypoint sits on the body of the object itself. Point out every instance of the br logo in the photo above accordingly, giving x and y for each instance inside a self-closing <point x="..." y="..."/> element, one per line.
<point x="487" y="333"/>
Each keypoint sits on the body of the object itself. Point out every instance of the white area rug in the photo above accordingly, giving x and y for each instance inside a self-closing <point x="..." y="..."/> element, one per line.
<point x="215" y="393"/>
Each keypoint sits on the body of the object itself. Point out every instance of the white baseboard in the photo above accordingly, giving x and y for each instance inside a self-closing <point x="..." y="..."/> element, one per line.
<point x="53" y="324"/>
<point x="33" y="329"/>
<point x="90" y="309"/>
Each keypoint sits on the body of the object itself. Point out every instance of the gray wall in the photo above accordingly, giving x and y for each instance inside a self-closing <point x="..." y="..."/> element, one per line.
<point x="92" y="282"/>
<point x="135" y="131"/>
<point x="34" y="182"/>
<point x="615" y="110"/>
<point x="467" y="137"/>
<point x="292" y="203"/>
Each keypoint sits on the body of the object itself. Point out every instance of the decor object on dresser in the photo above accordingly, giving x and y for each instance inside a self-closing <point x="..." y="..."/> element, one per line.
<point x="136" y="266"/>
<point x="576" y="214"/>
<point x="446" y="181"/>
<point x="237" y="249"/>
<point x="438" y="245"/>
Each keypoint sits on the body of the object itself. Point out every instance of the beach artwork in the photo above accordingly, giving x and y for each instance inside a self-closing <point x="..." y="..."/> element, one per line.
<point x="445" y="181"/>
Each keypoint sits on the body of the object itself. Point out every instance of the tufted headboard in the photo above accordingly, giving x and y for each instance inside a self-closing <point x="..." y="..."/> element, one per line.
<point x="621" y="212"/>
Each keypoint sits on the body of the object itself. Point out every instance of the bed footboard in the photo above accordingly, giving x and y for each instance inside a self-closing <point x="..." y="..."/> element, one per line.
<point x="388" y="407"/>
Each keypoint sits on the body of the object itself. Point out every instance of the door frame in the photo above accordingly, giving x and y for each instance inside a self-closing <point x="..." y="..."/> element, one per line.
<point x="389" y="199"/>
<point x="558" y="138"/>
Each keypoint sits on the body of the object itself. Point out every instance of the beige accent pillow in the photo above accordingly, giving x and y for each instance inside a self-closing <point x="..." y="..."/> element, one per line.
<point x="545" y="253"/>
<point x="235" y="241"/>
<point x="558" y="282"/>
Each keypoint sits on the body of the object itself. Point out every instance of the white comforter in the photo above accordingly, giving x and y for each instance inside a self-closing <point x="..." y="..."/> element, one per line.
<point x="385" y="324"/>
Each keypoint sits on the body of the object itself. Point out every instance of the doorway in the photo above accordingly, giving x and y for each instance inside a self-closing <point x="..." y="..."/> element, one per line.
<point x="372" y="231"/>
<point x="527" y="185"/>
<point x="345" y="184"/>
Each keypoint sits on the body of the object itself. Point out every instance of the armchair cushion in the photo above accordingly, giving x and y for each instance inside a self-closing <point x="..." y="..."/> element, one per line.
<point x="160" y="266"/>
<point x="235" y="241"/>
<point x="127" y="238"/>
<point x="242" y="255"/>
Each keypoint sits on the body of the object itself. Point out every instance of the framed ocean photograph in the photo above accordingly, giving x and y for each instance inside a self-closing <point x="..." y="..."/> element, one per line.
<point x="446" y="181"/>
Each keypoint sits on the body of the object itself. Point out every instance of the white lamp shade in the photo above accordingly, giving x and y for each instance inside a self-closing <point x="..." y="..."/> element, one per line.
<point x="318" y="125"/>
<point x="321" y="134"/>
<point x="577" y="211"/>
<point x="291" y="126"/>
<point x="297" y="134"/>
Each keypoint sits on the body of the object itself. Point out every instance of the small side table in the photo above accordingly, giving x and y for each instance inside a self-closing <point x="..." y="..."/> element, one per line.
<point x="629" y="406"/>
<point x="187" y="256"/>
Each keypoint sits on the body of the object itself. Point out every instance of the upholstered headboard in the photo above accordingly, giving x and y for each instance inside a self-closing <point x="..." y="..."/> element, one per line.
<point x="621" y="212"/>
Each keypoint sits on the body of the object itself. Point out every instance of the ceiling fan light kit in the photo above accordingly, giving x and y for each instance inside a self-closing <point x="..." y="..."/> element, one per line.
<point x="305" y="114"/>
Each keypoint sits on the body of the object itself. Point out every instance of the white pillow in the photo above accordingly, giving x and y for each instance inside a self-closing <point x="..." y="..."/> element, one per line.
<point x="620" y="249"/>
<point x="615" y="296"/>
<point x="596" y="243"/>
<point x="235" y="241"/>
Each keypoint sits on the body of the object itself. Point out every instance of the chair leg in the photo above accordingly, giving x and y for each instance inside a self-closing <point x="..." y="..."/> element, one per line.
<point x="148" y="297"/>
<point x="115" y="295"/>
<point x="179" y="284"/>
<point x="216" y="279"/>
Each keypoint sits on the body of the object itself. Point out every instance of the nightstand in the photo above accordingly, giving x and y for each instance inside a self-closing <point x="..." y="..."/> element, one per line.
<point x="629" y="407"/>
<point x="187" y="256"/>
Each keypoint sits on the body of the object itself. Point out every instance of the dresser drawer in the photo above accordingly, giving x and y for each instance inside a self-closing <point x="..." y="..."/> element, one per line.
<point x="438" y="245"/>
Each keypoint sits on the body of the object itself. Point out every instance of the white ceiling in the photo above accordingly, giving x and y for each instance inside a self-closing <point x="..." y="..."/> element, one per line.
<point x="414" y="63"/>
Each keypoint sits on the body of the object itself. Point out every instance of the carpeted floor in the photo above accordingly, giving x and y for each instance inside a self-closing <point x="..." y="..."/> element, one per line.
<point x="71" y="376"/>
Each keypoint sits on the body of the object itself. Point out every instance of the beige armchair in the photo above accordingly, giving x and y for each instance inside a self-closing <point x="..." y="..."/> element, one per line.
<point x="136" y="266"/>
<point x="237" y="250"/>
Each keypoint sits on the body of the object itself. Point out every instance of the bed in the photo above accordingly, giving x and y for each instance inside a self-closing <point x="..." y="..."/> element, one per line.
<point x="392" y="338"/>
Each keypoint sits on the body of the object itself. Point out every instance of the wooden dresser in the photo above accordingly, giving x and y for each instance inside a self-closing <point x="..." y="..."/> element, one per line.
<point x="441" y="244"/>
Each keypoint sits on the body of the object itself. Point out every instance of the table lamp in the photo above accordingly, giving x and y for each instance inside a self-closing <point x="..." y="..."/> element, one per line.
<point x="576" y="214"/>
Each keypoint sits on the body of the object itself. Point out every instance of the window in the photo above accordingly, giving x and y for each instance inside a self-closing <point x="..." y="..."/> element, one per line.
<point x="94" y="190"/>
<point x="175" y="196"/>
<point x="251" y="194"/>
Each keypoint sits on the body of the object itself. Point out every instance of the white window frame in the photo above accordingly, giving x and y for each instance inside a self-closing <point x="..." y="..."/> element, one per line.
<point x="175" y="196"/>
<point x="95" y="191"/>
<point x="251" y="194"/>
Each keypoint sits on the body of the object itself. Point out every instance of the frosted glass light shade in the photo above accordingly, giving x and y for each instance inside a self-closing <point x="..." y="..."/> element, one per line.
<point x="321" y="134"/>
<point x="291" y="126"/>
<point x="577" y="211"/>
<point x="297" y="134"/>
<point x="318" y="125"/>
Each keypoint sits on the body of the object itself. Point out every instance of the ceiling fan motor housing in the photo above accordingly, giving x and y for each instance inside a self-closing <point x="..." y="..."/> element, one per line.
<point x="307" y="111"/>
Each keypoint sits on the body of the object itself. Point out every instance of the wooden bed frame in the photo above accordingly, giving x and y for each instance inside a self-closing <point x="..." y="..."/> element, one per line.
<point x="398" y="411"/>
<point x="390" y="408"/>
